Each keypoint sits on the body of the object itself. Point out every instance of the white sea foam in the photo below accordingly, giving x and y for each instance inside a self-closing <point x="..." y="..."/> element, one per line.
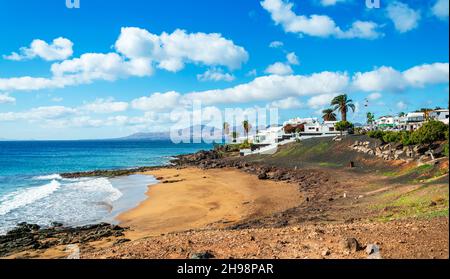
<point x="98" y="185"/>
<point x="27" y="196"/>
<point x="48" y="177"/>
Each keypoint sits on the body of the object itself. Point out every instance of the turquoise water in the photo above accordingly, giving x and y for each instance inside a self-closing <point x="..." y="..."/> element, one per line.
<point x="31" y="189"/>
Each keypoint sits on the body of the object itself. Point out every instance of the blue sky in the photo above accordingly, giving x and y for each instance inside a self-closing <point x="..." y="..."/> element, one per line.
<point x="119" y="67"/>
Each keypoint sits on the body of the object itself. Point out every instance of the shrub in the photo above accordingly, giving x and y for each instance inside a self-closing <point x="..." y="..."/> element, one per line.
<point x="376" y="134"/>
<point x="245" y="145"/>
<point x="430" y="132"/>
<point x="343" y="126"/>
<point x="391" y="136"/>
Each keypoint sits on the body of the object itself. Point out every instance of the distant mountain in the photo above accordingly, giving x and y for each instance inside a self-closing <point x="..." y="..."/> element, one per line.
<point x="147" y="136"/>
<point x="195" y="131"/>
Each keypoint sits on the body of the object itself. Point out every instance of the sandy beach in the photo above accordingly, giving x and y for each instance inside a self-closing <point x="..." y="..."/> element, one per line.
<point x="192" y="198"/>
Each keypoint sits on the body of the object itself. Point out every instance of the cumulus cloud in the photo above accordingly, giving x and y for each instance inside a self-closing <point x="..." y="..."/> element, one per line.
<point x="215" y="74"/>
<point x="138" y="52"/>
<point x="157" y="101"/>
<point x="374" y="96"/>
<point x="283" y="68"/>
<point x="440" y="9"/>
<point x="292" y="58"/>
<point x="39" y="113"/>
<point x="316" y="25"/>
<point x="321" y="100"/>
<point x="402" y="105"/>
<point x="273" y="87"/>
<point x="403" y="17"/>
<point x="287" y="103"/>
<point x="279" y="68"/>
<point x="59" y="49"/>
<point x="5" y="99"/>
<point x="105" y="106"/>
<point x="390" y="79"/>
<point x="276" y="44"/>
<point x="172" y="51"/>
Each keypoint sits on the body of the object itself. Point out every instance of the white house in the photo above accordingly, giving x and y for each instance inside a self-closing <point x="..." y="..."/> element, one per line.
<point x="412" y="121"/>
<point x="269" y="136"/>
<point x="298" y="121"/>
<point x="386" y="122"/>
<point x="317" y="128"/>
<point x="440" y="115"/>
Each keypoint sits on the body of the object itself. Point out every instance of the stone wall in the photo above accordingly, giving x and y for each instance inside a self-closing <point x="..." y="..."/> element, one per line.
<point x="396" y="151"/>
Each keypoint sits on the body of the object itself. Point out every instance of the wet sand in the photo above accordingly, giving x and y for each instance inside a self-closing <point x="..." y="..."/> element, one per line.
<point x="193" y="198"/>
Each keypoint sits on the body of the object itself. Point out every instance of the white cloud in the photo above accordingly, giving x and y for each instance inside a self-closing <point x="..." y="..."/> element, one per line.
<point x="157" y="101"/>
<point x="292" y="58"/>
<point x="287" y="103"/>
<point x="327" y="3"/>
<point x="138" y="51"/>
<point x="252" y="73"/>
<point x="274" y="87"/>
<point x="172" y="51"/>
<point x="39" y="113"/>
<point x="279" y="68"/>
<point x="420" y="76"/>
<point x="276" y="44"/>
<point x="5" y="99"/>
<point x="402" y="105"/>
<point x="105" y="106"/>
<point x="316" y="25"/>
<point x="441" y="9"/>
<point x="321" y="100"/>
<point x="99" y="66"/>
<point x="59" y="49"/>
<point x="215" y="74"/>
<point x="387" y="78"/>
<point x="374" y="96"/>
<point x="403" y="17"/>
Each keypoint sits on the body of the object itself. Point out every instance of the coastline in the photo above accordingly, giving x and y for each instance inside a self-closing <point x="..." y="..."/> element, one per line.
<point x="288" y="198"/>
<point x="194" y="198"/>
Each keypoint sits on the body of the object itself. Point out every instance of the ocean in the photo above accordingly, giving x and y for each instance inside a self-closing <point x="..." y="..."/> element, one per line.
<point x="31" y="189"/>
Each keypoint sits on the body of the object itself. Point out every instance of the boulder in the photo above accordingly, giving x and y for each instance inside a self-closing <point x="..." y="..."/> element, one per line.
<point x="350" y="244"/>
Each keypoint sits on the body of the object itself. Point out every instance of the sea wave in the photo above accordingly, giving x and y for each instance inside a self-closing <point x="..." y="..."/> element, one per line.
<point x="48" y="177"/>
<point x="98" y="185"/>
<point x="27" y="196"/>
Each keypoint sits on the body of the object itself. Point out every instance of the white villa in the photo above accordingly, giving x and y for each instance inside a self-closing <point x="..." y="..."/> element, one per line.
<point x="441" y="115"/>
<point x="269" y="136"/>
<point x="409" y="122"/>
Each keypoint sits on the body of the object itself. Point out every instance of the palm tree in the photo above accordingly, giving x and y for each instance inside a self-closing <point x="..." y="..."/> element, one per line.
<point x="342" y="104"/>
<point x="328" y="115"/>
<point x="401" y="114"/>
<point x="246" y="125"/>
<point x="370" y="118"/>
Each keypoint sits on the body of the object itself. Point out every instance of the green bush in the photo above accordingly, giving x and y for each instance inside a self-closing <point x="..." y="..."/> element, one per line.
<point x="343" y="125"/>
<point x="390" y="136"/>
<point x="430" y="132"/>
<point x="245" y="145"/>
<point x="406" y="138"/>
<point x="376" y="134"/>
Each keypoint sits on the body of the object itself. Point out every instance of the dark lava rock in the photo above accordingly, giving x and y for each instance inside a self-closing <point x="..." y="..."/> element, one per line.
<point x="30" y="236"/>
<point x="202" y="256"/>
<point x="350" y="244"/>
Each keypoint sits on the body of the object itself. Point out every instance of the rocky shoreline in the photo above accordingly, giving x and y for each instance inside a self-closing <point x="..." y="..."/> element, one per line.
<point x="33" y="237"/>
